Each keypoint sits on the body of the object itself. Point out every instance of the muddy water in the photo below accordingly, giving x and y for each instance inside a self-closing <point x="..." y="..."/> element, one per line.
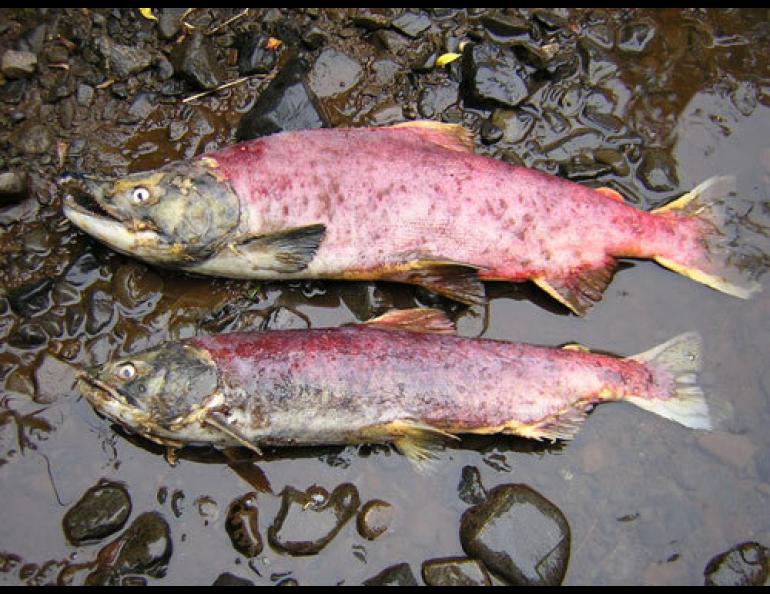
<point x="675" y="98"/>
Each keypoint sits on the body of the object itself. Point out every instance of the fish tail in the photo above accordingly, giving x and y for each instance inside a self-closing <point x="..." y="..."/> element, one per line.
<point x="719" y="264"/>
<point x="678" y="359"/>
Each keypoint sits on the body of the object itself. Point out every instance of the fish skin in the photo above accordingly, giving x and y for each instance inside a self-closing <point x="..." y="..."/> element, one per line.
<point x="408" y="203"/>
<point x="376" y="383"/>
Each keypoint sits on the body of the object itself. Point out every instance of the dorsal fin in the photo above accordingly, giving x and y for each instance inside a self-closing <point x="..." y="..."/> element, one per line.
<point x="611" y="194"/>
<point x="450" y="136"/>
<point x="422" y="320"/>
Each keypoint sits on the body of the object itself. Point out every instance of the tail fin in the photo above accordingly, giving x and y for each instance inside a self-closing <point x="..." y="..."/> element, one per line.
<point x="719" y="266"/>
<point x="680" y="358"/>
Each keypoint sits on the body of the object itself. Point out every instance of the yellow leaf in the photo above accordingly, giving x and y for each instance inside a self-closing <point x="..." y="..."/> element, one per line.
<point x="445" y="59"/>
<point x="147" y="13"/>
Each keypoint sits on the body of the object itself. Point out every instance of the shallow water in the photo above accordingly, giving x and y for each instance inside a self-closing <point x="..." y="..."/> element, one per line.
<point x="648" y="501"/>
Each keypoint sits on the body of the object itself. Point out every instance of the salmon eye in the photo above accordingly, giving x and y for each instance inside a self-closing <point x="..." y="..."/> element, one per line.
<point x="140" y="195"/>
<point x="126" y="372"/>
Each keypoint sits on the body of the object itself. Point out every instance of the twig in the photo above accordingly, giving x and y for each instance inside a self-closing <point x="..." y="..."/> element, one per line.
<point x="232" y="83"/>
<point x="228" y="21"/>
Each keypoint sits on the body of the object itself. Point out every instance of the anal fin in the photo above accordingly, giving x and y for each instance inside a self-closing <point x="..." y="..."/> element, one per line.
<point x="580" y="289"/>
<point x="421" y="320"/>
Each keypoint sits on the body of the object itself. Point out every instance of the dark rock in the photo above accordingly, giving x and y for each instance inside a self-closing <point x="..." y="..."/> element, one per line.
<point x="436" y="99"/>
<point x="56" y="54"/>
<point x="123" y="60"/>
<point x="286" y="104"/>
<point x="228" y="579"/>
<point x="505" y="25"/>
<point x="549" y="20"/>
<point x="253" y="55"/>
<point x="459" y="571"/>
<point x="395" y="575"/>
<point x="411" y="23"/>
<point x="33" y="40"/>
<point x="374" y="519"/>
<point x="635" y="38"/>
<point x="746" y="564"/>
<point x="101" y="511"/>
<point x="370" y="20"/>
<point x="164" y="67"/>
<point x="596" y="61"/>
<point x="33" y="138"/>
<point x="470" y="489"/>
<point x="391" y="41"/>
<point x="18" y="64"/>
<point x="515" y="124"/>
<point x="143" y="105"/>
<point x="492" y="77"/>
<point x="173" y="87"/>
<point x="657" y="171"/>
<point x="242" y="525"/>
<point x="144" y="548"/>
<point x="13" y="184"/>
<point x="333" y="73"/>
<point x="314" y="37"/>
<point x="601" y="34"/>
<point x="519" y="535"/>
<point x="101" y="312"/>
<point x="308" y="521"/>
<point x="13" y="91"/>
<point x="169" y="21"/>
<point x="134" y="284"/>
<point x="196" y="60"/>
<point x="490" y="133"/>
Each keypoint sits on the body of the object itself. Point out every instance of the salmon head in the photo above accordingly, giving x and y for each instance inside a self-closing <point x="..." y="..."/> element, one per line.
<point x="177" y="215"/>
<point x="163" y="394"/>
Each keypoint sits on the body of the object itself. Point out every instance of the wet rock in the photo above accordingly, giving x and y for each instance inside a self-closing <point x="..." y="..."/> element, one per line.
<point x="286" y="104"/>
<point x="519" y="535"/>
<point x="601" y="34"/>
<point x="395" y="575"/>
<point x="144" y="549"/>
<point x="123" y="60"/>
<point x="333" y="73"/>
<point x="515" y="124"/>
<point x="13" y="184"/>
<point x="18" y="64"/>
<point x="470" y="489"/>
<point x="657" y="171"/>
<point x="134" y="284"/>
<point x="374" y="519"/>
<point x="505" y="25"/>
<point x="493" y="77"/>
<point x="33" y="138"/>
<point x="391" y="41"/>
<point x="254" y="57"/>
<point x="458" y="571"/>
<point x="242" y="525"/>
<point x="196" y="60"/>
<point x="490" y="133"/>
<point x="370" y="20"/>
<point x="436" y="99"/>
<point x="13" y="91"/>
<point x="746" y="564"/>
<point x="411" y="23"/>
<point x="635" y="38"/>
<point x="309" y="520"/>
<point x="53" y="378"/>
<point x="597" y="62"/>
<point x="228" y="579"/>
<point x="163" y="66"/>
<point x="615" y="159"/>
<point x="100" y="313"/>
<point x="314" y="37"/>
<point x="101" y="511"/>
<point x="169" y="21"/>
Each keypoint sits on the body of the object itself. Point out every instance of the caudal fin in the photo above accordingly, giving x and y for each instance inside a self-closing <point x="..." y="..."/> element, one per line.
<point x="719" y="266"/>
<point x="680" y="358"/>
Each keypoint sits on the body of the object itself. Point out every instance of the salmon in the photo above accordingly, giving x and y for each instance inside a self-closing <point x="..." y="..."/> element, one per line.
<point x="408" y="203"/>
<point x="404" y="378"/>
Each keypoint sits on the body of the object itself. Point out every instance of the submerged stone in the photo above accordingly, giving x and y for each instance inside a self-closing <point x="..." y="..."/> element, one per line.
<point x="242" y="525"/>
<point x="333" y="73"/>
<point x="395" y="575"/>
<point x="459" y="571"/>
<point x="519" y="535"/>
<point x="309" y="520"/>
<point x="657" y="171"/>
<point x="470" y="489"/>
<point x="493" y="77"/>
<point x="228" y="579"/>
<point x="101" y="511"/>
<point x="746" y="564"/>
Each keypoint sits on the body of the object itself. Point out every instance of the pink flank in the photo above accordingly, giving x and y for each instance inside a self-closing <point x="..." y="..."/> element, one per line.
<point x="323" y="386"/>
<point x="389" y="195"/>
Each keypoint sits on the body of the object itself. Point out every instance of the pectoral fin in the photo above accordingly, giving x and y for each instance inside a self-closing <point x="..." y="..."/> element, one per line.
<point x="286" y="251"/>
<point x="220" y="421"/>
<point x="581" y="289"/>
<point x="425" y="321"/>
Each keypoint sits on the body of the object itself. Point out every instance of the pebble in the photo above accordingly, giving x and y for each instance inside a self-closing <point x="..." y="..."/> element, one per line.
<point x="657" y="171"/>
<point x="492" y="77"/>
<point x="411" y="24"/>
<point x="470" y="489"/>
<point x="196" y="60"/>
<point x="286" y="104"/>
<point x="370" y="20"/>
<point x="33" y="138"/>
<point x="459" y="571"/>
<point x="309" y="520"/>
<point x="253" y="55"/>
<point x="18" y="64"/>
<point x="395" y="575"/>
<point x="333" y="73"/>
<point x="228" y="579"/>
<point x="13" y="184"/>
<point x="519" y="535"/>
<point x="635" y="38"/>
<point x="374" y="519"/>
<point x="13" y="91"/>
<point x="515" y="124"/>
<point x="123" y="60"/>
<point x="169" y="21"/>
<point x="242" y="525"/>
<point x="490" y="133"/>
<point x="505" y="25"/>
<point x="746" y="564"/>
<point x="102" y="510"/>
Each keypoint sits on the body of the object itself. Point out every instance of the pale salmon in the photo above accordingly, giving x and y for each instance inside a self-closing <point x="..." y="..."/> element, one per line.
<point x="408" y="203"/>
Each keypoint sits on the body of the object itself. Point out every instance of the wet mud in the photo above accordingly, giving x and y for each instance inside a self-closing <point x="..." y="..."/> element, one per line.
<point x="647" y="102"/>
